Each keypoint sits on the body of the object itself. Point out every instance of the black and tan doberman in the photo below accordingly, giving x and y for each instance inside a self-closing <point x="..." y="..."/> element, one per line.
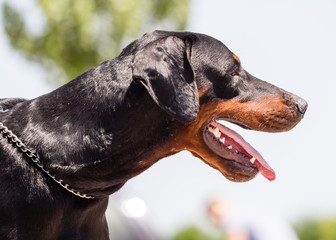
<point x="161" y="95"/>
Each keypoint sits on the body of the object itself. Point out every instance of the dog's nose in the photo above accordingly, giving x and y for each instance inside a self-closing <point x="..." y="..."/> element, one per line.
<point x="301" y="105"/>
<point x="295" y="101"/>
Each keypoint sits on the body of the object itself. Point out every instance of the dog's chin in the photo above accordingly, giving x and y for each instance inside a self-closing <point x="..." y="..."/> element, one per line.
<point x="236" y="159"/>
<point x="230" y="169"/>
<point x="237" y="172"/>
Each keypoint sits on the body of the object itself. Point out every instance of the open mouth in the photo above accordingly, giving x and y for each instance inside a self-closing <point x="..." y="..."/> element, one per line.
<point x="230" y="146"/>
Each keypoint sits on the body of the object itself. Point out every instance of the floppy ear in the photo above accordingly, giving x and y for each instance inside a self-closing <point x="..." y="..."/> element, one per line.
<point x="164" y="69"/>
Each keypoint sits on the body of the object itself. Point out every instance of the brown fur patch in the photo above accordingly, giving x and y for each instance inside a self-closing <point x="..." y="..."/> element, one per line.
<point x="236" y="58"/>
<point x="202" y="91"/>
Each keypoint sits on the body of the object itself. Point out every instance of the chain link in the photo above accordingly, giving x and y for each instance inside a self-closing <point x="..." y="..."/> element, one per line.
<point x="2" y="110"/>
<point x="17" y="143"/>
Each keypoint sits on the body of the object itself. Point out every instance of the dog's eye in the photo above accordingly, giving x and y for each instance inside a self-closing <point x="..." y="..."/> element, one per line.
<point x="234" y="73"/>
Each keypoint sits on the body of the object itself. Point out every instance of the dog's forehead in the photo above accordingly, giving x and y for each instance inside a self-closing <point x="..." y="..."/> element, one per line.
<point x="205" y="47"/>
<point x="215" y="53"/>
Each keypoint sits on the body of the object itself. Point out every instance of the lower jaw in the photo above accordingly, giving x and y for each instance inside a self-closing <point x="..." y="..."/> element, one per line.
<point x="233" y="171"/>
<point x="239" y="172"/>
<point x="230" y="164"/>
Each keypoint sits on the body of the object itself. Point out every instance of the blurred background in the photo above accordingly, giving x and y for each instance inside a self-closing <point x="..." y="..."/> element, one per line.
<point x="44" y="44"/>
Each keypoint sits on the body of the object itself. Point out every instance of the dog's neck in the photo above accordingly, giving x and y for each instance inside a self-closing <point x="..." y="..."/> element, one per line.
<point x="121" y="155"/>
<point x="95" y="147"/>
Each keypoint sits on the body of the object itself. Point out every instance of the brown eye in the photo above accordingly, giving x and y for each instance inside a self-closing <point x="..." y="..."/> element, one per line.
<point x="234" y="73"/>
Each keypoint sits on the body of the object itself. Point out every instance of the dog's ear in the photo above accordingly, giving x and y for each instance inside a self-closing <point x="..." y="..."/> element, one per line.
<point x="163" y="67"/>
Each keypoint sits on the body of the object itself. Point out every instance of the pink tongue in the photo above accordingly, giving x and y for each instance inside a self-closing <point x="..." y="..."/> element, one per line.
<point x="259" y="162"/>
<point x="265" y="169"/>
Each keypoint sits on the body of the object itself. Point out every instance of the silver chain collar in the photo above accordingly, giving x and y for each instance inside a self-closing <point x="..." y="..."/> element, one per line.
<point x="17" y="143"/>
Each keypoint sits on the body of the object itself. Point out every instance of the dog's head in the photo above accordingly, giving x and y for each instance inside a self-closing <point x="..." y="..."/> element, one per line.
<point x="198" y="80"/>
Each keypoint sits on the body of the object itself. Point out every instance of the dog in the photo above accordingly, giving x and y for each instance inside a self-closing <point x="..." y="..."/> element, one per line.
<point x="62" y="154"/>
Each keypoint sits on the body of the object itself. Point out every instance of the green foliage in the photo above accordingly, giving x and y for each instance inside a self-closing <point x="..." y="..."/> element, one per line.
<point x="80" y="34"/>
<point x="194" y="233"/>
<point x="316" y="229"/>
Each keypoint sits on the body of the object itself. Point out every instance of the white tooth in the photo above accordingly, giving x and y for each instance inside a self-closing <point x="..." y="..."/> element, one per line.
<point x="217" y="133"/>
<point x="230" y="147"/>
<point x="211" y="129"/>
<point x="222" y="140"/>
<point x="252" y="160"/>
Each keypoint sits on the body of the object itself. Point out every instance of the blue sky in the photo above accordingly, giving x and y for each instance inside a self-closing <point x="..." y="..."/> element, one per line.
<point x="288" y="43"/>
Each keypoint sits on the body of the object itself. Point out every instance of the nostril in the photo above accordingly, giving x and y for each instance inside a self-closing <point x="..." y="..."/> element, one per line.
<point x="301" y="105"/>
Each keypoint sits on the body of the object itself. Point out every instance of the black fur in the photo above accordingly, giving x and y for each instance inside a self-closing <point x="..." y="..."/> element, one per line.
<point x="100" y="129"/>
